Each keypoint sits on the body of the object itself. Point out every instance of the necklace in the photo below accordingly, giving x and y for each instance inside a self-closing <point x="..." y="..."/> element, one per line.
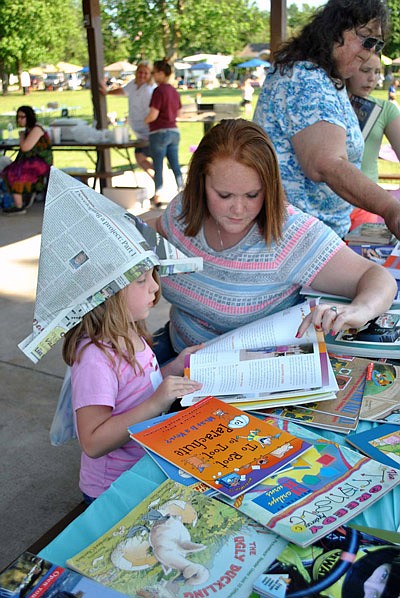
<point x="219" y="236"/>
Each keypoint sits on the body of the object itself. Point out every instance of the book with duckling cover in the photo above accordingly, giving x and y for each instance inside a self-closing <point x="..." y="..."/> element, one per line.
<point x="179" y="543"/>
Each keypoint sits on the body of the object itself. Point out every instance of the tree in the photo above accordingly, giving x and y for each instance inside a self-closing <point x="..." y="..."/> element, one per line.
<point x="35" y="31"/>
<point x="296" y="18"/>
<point x="392" y="48"/>
<point x="158" y="28"/>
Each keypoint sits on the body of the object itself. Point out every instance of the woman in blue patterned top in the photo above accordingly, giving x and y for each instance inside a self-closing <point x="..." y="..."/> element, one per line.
<point x="306" y="112"/>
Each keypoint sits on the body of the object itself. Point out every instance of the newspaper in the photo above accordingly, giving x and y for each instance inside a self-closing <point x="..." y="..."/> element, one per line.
<point x="91" y="248"/>
<point x="263" y="358"/>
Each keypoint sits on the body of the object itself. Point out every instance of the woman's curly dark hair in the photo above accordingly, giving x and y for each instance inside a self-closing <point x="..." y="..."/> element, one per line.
<point x="30" y="116"/>
<point x="315" y="41"/>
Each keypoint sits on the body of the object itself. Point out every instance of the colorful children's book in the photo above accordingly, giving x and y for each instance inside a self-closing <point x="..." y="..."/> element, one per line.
<point x="33" y="577"/>
<point x="378" y="338"/>
<point x="218" y="444"/>
<point x="170" y="470"/>
<point x="367" y="112"/>
<point x="381" y="443"/>
<point x="318" y="492"/>
<point x="340" y="414"/>
<point x="392" y="262"/>
<point x="381" y="400"/>
<point x="178" y="543"/>
<point x="374" y="253"/>
<point x="347" y="563"/>
<point x="380" y="254"/>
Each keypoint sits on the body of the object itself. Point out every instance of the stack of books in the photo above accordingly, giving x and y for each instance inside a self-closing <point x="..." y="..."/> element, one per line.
<point x="340" y="414"/>
<point x="273" y="492"/>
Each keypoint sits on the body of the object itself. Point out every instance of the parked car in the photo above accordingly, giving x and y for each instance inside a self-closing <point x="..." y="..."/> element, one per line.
<point x="54" y="81"/>
<point x="37" y="82"/>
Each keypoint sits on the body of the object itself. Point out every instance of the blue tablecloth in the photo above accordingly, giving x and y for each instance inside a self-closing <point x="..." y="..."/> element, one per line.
<point x="135" y="484"/>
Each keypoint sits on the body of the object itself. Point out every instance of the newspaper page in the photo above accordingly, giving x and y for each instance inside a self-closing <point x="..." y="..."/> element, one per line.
<point x="91" y="248"/>
<point x="264" y="356"/>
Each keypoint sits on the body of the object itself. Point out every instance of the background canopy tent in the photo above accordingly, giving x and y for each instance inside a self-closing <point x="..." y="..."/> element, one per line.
<point x="253" y="63"/>
<point x="201" y="66"/>
<point x="121" y="66"/>
<point x="68" y="68"/>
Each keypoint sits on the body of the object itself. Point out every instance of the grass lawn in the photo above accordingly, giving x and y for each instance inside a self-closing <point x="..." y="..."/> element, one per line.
<point x="191" y="133"/>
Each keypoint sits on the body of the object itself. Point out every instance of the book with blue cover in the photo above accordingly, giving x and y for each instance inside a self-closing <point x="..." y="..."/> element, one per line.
<point x="31" y="576"/>
<point x="367" y="112"/>
<point x="381" y="443"/>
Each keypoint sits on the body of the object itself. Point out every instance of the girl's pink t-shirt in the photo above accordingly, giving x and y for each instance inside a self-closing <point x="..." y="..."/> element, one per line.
<point x="95" y="381"/>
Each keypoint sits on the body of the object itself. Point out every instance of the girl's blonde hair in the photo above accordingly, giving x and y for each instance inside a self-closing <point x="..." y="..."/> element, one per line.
<point x="108" y="326"/>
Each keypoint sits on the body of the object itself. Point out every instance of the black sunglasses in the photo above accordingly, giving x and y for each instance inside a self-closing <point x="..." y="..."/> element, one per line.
<point x="371" y="42"/>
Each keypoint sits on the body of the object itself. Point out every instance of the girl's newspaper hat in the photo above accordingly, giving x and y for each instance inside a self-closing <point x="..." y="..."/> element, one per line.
<point x="91" y="248"/>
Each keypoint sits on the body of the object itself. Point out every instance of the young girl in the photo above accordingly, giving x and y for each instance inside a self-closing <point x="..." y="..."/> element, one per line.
<point x="116" y="381"/>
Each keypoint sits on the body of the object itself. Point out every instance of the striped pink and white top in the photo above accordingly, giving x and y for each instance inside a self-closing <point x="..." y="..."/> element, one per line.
<point x="243" y="283"/>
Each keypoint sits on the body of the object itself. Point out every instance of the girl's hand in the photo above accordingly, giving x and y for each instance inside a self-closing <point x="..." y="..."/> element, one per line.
<point x="173" y="387"/>
<point x="333" y="318"/>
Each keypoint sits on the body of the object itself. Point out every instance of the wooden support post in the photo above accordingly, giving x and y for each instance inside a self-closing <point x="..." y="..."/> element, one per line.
<point x="92" y="23"/>
<point x="277" y="25"/>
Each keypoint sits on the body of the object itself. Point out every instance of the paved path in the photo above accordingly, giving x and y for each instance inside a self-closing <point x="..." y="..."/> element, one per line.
<point x="39" y="482"/>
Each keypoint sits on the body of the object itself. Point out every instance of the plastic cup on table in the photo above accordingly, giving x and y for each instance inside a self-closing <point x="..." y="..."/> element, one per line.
<point x="56" y="134"/>
<point x="118" y="135"/>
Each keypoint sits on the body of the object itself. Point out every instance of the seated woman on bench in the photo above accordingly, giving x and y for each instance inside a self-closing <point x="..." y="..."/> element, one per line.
<point x="29" y="171"/>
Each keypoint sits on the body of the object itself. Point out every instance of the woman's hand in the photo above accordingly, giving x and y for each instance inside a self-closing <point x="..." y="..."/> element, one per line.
<point x="370" y="287"/>
<point x="180" y="360"/>
<point x="332" y="318"/>
<point x="176" y="366"/>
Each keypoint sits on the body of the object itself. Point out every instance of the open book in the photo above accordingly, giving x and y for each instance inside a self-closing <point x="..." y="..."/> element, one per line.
<point x="91" y="248"/>
<point x="264" y="364"/>
<point x="367" y="112"/>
